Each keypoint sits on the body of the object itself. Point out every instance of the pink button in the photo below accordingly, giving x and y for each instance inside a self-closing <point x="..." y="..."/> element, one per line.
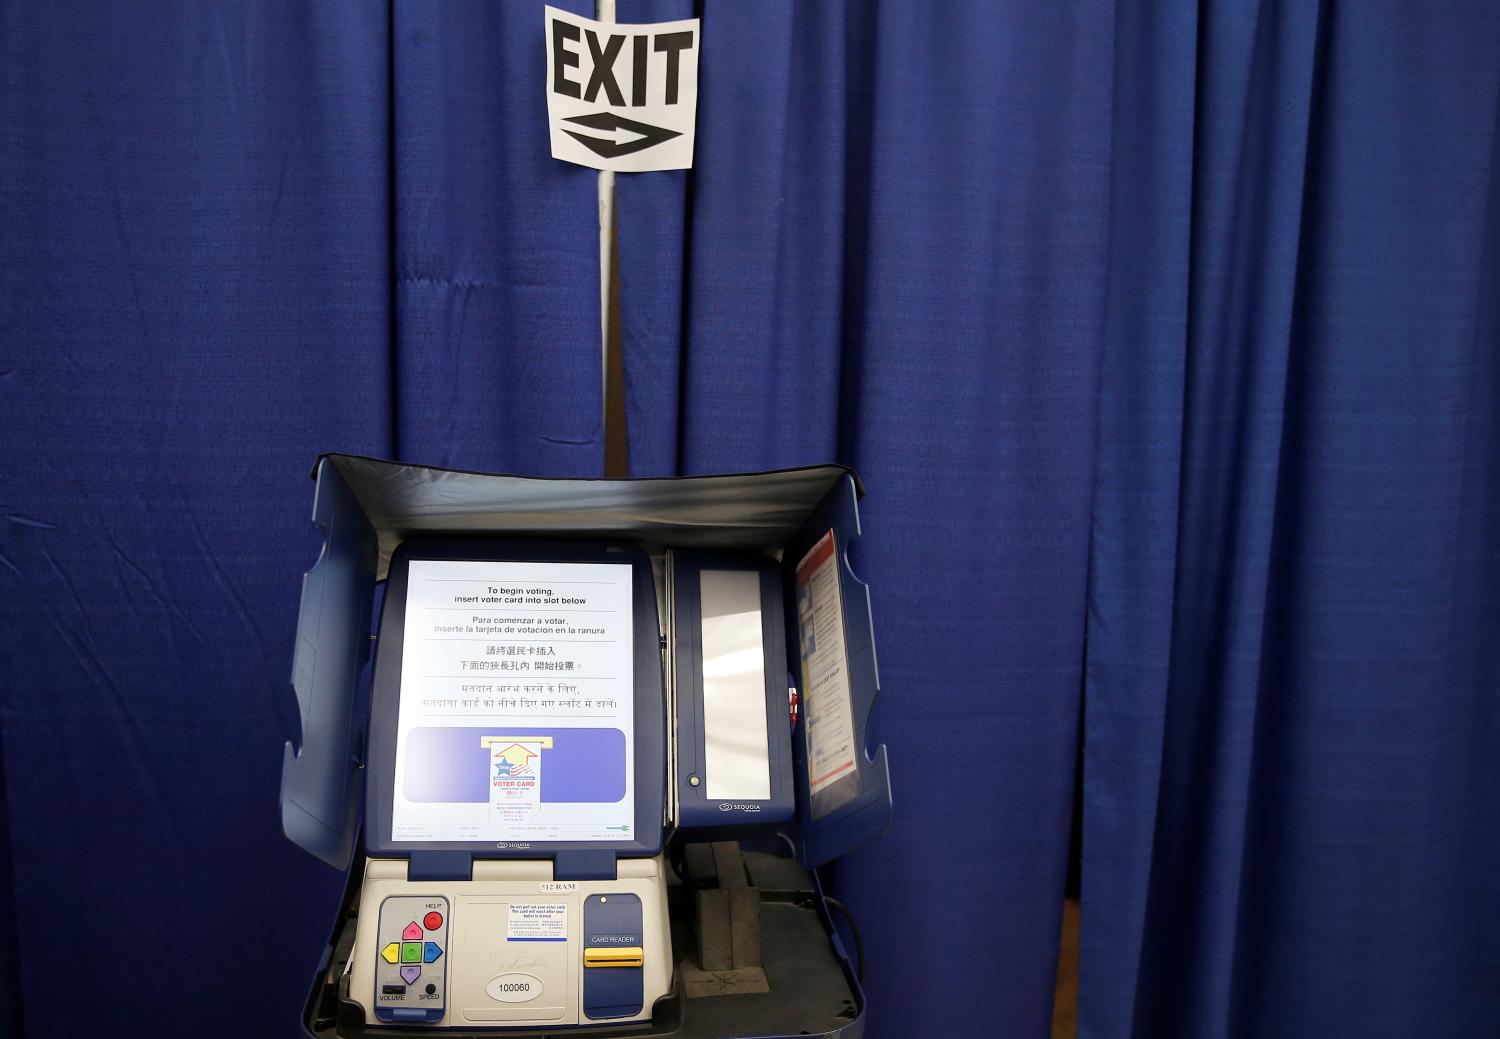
<point x="412" y="932"/>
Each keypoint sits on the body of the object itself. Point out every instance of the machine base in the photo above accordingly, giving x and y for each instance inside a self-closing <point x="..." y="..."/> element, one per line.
<point x="812" y="987"/>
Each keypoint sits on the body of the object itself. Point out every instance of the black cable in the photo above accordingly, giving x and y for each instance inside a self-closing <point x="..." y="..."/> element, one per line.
<point x="859" y="945"/>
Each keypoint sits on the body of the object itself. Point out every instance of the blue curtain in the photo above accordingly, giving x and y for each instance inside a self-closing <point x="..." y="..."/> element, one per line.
<point x="1165" y="338"/>
<point x="496" y="270"/>
<point x="1292" y="766"/>
<point x="194" y="301"/>
<point x="233" y="235"/>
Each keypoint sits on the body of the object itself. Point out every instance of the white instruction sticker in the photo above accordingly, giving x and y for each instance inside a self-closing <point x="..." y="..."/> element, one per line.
<point x="825" y="675"/>
<point x="537" y="922"/>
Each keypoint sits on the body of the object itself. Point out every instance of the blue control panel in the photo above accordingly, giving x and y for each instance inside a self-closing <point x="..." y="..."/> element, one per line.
<point x="613" y="945"/>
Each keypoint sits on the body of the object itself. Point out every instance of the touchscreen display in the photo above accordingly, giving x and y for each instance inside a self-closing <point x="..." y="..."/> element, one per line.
<point x="516" y="706"/>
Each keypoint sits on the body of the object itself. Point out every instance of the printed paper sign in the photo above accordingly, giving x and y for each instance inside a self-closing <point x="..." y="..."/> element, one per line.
<point x="622" y="97"/>
<point x="825" y="675"/>
<point x="537" y="922"/>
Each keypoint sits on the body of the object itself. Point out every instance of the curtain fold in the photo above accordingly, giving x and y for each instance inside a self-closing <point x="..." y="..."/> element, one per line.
<point x="650" y="226"/>
<point x="759" y="281"/>
<point x="1290" y="784"/>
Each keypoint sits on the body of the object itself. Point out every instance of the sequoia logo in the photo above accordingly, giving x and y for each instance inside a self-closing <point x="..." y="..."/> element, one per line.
<point x="622" y="97"/>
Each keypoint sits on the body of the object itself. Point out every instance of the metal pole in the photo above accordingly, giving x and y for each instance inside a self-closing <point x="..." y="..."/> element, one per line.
<point x="604" y="11"/>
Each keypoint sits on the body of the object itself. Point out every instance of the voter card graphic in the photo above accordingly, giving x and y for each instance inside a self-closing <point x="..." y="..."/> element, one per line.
<point x="515" y="776"/>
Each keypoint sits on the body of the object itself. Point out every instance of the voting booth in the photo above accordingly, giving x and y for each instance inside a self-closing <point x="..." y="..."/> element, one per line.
<point x="580" y="746"/>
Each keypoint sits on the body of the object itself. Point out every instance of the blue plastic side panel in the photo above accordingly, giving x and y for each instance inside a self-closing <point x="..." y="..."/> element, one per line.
<point x="319" y="787"/>
<point x="707" y="818"/>
<point x="824" y="837"/>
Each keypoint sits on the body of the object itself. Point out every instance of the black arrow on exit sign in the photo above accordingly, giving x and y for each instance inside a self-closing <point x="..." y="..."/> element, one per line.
<point x="626" y="135"/>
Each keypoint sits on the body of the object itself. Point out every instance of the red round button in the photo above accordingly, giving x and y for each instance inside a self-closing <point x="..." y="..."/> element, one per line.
<point x="432" y="921"/>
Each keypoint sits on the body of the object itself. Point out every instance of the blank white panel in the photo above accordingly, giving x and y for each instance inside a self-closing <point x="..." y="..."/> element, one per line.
<point x="736" y="758"/>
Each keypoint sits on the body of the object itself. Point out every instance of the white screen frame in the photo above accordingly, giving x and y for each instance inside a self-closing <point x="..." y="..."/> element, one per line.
<point x="585" y="597"/>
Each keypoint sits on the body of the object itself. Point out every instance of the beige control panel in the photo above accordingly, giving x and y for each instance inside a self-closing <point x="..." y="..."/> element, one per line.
<point x="511" y="947"/>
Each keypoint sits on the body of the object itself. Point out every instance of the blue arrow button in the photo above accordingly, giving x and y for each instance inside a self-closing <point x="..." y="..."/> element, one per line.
<point x="430" y="952"/>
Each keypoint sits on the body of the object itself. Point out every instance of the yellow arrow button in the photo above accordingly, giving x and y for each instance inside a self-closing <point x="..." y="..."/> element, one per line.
<point x="391" y="953"/>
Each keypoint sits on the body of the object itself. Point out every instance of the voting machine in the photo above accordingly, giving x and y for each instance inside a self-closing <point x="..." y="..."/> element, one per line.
<point x="580" y="746"/>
